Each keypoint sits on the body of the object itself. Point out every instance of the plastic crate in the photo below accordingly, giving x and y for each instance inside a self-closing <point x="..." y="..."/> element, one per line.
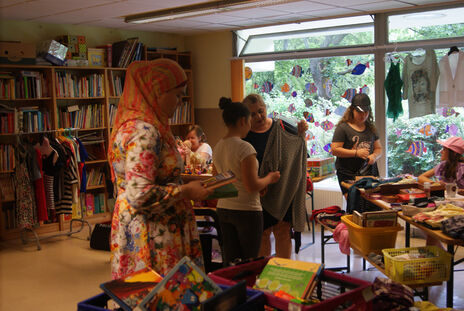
<point x="420" y="270"/>
<point x="370" y="239"/>
<point x="336" y="291"/>
<point x="255" y="302"/>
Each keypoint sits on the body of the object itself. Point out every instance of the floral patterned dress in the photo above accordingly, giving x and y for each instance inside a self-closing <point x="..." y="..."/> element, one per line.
<point x="151" y="225"/>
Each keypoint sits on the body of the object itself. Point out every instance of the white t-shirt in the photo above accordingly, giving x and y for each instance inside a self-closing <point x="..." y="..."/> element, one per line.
<point x="228" y="155"/>
<point x="204" y="147"/>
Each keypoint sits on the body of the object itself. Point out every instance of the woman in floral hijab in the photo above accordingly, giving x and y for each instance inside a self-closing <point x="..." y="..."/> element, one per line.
<point x="153" y="222"/>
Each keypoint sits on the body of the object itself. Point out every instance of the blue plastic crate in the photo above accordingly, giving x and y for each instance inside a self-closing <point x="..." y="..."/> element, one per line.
<point x="255" y="302"/>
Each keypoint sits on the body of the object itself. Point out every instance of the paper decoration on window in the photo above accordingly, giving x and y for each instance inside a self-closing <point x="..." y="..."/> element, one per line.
<point x="364" y="89"/>
<point x="308" y="117"/>
<point x="327" y="125"/>
<point x="272" y="115"/>
<point x="291" y="108"/>
<point x="255" y="85"/>
<point x="452" y="129"/>
<point x="311" y="87"/>
<point x="349" y="94"/>
<point x="340" y="110"/>
<point x="398" y="132"/>
<point x="359" y="69"/>
<point x="316" y="124"/>
<point x="349" y="62"/>
<point x="327" y="112"/>
<point x="285" y="88"/>
<point x="267" y="87"/>
<point x="448" y="112"/>
<point x="308" y="102"/>
<point x="309" y="135"/>
<point x="328" y="148"/>
<point x="417" y="148"/>
<point x="312" y="151"/>
<point x="427" y="130"/>
<point x="248" y="73"/>
<point x="327" y="85"/>
<point x="294" y="93"/>
<point x="297" y="71"/>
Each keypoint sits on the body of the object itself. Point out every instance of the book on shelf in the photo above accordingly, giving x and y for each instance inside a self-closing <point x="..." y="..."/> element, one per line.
<point x="185" y="287"/>
<point x="130" y="290"/>
<point x="294" y="277"/>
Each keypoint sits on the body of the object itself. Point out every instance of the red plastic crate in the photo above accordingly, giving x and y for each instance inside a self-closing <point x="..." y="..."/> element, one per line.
<point x="348" y="294"/>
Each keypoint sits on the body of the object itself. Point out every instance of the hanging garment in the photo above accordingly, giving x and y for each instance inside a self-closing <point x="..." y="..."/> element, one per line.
<point x="393" y="85"/>
<point x="451" y="81"/>
<point x="420" y="76"/>
<point x="39" y="188"/>
<point x="25" y="203"/>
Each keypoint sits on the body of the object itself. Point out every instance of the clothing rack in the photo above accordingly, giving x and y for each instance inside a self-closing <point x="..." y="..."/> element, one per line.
<point x="37" y="238"/>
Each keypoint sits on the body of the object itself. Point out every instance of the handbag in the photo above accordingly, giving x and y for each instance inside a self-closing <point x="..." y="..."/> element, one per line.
<point x="100" y="238"/>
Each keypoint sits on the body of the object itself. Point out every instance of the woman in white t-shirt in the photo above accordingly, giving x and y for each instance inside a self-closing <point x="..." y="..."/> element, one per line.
<point x="197" y="138"/>
<point x="240" y="218"/>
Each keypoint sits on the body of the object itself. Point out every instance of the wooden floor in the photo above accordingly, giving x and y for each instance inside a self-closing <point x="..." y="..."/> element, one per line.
<point x="67" y="271"/>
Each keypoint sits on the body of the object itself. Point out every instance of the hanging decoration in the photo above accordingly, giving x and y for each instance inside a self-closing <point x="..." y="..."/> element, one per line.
<point x="297" y="71"/>
<point x="267" y="87"/>
<point x="316" y="124"/>
<point x="285" y="88"/>
<point x="427" y="130"/>
<point x="349" y="94"/>
<point x="359" y="69"/>
<point x="327" y="112"/>
<point x="417" y="148"/>
<point x="255" y="85"/>
<point x="312" y="151"/>
<point x="328" y="148"/>
<point x="327" y="85"/>
<point x="291" y="108"/>
<point x="308" y="102"/>
<point x="364" y="89"/>
<point x="248" y="73"/>
<point x="349" y="62"/>
<point x="308" y="116"/>
<point x="311" y="87"/>
<point x="448" y="112"/>
<point x="398" y="132"/>
<point x="340" y="110"/>
<point x="327" y="125"/>
<point x="309" y="135"/>
<point x="452" y="129"/>
<point x="294" y="93"/>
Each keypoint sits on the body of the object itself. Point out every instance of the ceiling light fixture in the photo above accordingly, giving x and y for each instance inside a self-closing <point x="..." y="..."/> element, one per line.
<point x="199" y="9"/>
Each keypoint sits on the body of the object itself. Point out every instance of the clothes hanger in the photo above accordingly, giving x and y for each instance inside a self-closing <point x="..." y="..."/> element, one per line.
<point x="418" y="52"/>
<point x="453" y="49"/>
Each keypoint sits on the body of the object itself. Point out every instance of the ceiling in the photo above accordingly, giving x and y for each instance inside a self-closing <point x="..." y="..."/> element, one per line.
<point x="110" y="13"/>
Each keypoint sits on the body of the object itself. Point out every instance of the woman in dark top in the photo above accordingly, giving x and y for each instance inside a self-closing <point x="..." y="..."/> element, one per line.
<point x="355" y="142"/>
<point x="261" y="127"/>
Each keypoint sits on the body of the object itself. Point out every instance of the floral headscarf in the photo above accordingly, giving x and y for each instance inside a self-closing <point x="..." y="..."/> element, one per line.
<point x="144" y="83"/>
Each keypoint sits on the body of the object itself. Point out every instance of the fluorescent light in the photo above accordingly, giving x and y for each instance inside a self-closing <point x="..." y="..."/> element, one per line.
<point x="199" y="9"/>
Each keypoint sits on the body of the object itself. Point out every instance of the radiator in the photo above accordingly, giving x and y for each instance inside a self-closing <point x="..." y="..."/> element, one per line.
<point x="326" y="194"/>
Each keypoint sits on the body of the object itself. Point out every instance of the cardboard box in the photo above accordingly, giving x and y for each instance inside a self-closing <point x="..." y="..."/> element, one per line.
<point x="17" y="53"/>
<point x="320" y="167"/>
<point x="375" y="219"/>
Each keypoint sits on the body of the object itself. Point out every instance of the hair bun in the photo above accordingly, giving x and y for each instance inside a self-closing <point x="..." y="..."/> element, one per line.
<point x="224" y="102"/>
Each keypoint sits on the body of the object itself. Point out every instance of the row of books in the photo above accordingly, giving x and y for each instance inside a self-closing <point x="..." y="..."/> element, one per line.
<point x="24" y="84"/>
<point x="7" y="158"/>
<point x="186" y="287"/>
<point x="94" y="144"/>
<point x="112" y="117"/>
<point x="126" y="51"/>
<point x="95" y="177"/>
<point x="116" y="84"/>
<point x="182" y="114"/>
<point x="72" y="85"/>
<point x="94" y="204"/>
<point x="7" y="189"/>
<point x="81" y="116"/>
<point x="23" y="119"/>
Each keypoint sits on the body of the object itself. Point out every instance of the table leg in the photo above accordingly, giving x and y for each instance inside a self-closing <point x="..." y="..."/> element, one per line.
<point x="322" y="245"/>
<point x="450" y="283"/>
<point x="407" y="234"/>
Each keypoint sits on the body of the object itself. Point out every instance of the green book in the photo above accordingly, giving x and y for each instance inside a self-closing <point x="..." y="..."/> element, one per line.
<point x="226" y="191"/>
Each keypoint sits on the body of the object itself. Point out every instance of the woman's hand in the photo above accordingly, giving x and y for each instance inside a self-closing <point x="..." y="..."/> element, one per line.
<point x="371" y="158"/>
<point x="362" y="153"/>
<point x="195" y="190"/>
<point x="273" y="177"/>
<point x="302" y="128"/>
